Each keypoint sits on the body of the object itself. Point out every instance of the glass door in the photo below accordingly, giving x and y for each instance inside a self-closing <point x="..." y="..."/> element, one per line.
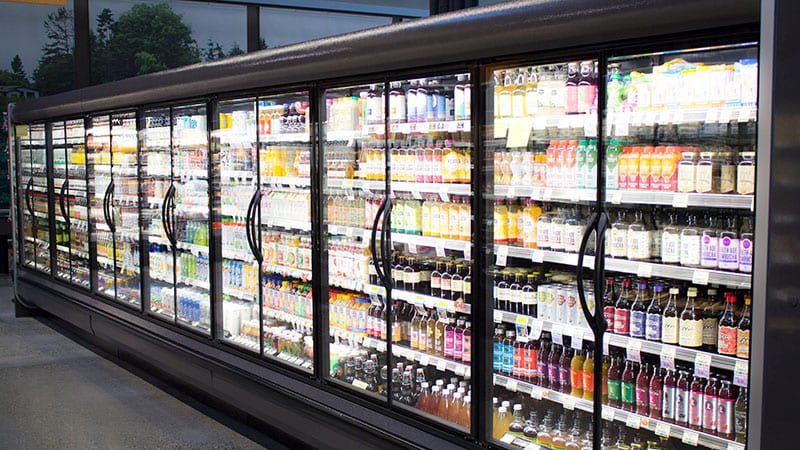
<point x="98" y="146"/>
<point x="355" y="215"/>
<point x="123" y="208"/>
<point x="680" y="181"/>
<point x="430" y="153"/>
<point x="236" y="149"/>
<point x="541" y="143"/>
<point x="35" y="208"/>
<point x="188" y="215"/>
<point x="156" y="170"/>
<point x="282" y="233"/>
<point x="71" y="201"/>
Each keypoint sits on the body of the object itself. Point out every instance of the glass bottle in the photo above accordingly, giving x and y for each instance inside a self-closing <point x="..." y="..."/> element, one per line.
<point x="740" y="416"/>
<point x="622" y="310"/>
<point x="690" y="243"/>
<point x="743" y="331"/>
<point x="638" y="312"/>
<point x="709" y="244"/>
<point x="746" y="245"/>
<point x="690" y="332"/>
<point x="653" y="317"/>
<point x="669" y="321"/>
<point x="728" y="326"/>
<point x="671" y="241"/>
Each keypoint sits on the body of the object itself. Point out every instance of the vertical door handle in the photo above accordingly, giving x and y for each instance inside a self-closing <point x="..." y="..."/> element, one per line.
<point x="249" y="228"/>
<point x="254" y="225"/>
<point x="170" y="215"/>
<point x="599" y="224"/>
<point x="373" y="243"/>
<point x="28" y="188"/>
<point x="61" y="201"/>
<point x="386" y="243"/>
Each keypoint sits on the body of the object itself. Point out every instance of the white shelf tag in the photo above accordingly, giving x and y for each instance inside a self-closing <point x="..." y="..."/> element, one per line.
<point x="569" y="403"/>
<point x="680" y="201"/>
<point x="547" y="194"/>
<point x="443" y="191"/>
<point x="563" y="122"/>
<point x="663" y="430"/>
<point x="644" y="270"/>
<point x="459" y="371"/>
<point x="536" y="193"/>
<point x="621" y="129"/>
<point x="511" y="385"/>
<point x="507" y="438"/>
<point x="725" y="115"/>
<point x="532" y="446"/>
<point x="634" y="350"/>
<point x="616" y="197"/>
<point x="700" y="277"/>
<point x="536" y="393"/>
<point x="536" y="329"/>
<point x="441" y="365"/>
<point x="590" y="126"/>
<point x="467" y="251"/>
<point x="740" y="373"/>
<point x="608" y="414"/>
<point x="633" y="421"/>
<point x="424" y="360"/>
<point x="711" y="116"/>
<point x="735" y="446"/>
<point x="360" y="384"/>
<point x="558" y="334"/>
<point x="412" y="247"/>
<point x="539" y="123"/>
<point x="702" y="365"/>
<point x="498" y="316"/>
<point x="440" y="251"/>
<point x="668" y="357"/>
<point x="511" y="192"/>
<point x="690" y="437"/>
<point x="502" y="256"/>
<point x="537" y="256"/>
<point x="416" y="195"/>
<point x="577" y="338"/>
<point x="605" y="347"/>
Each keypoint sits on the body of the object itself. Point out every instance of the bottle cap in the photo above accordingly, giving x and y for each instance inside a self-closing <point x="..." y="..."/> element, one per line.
<point x="517" y="407"/>
<point x="674" y="291"/>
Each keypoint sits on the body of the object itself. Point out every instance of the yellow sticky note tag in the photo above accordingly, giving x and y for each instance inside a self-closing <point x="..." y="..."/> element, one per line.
<point x="519" y="132"/>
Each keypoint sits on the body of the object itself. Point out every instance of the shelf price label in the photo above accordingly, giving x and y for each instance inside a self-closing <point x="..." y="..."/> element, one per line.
<point x="412" y="247"/>
<point x="440" y="251"/>
<point x="511" y="192"/>
<point x="663" y="430"/>
<point x="507" y="438"/>
<point x="460" y="370"/>
<point x="668" y="357"/>
<point x="443" y="191"/>
<point x="590" y="126"/>
<point x="616" y="197"/>
<point x="740" y="373"/>
<point x="537" y="256"/>
<point x="607" y="414"/>
<point x="502" y="256"/>
<point x="634" y="350"/>
<point x="360" y="384"/>
<point x="633" y="421"/>
<point x="700" y="277"/>
<point x="644" y="270"/>
<point x="424" y="360"/>
<point x="536" y="393"/>
<point x="577" y="338"/>
<point x="441" y="365"/>
<point x="680" y="201"/>
<point x="532" y="446"/>
<point x="467" y="251"/>
<point x="569" y="403"/>
<point x="558" y="334"/>
<point x="690" y="437"/>
<point x="511" y="385"/>
<point x="702" y="365"/>
<point x="536" y="329"/>
<point x="735" y="446"/>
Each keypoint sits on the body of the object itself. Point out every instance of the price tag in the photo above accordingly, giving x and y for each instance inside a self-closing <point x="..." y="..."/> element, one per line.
<point x="569" y="403"/>
<point x="644" y="271"/>
<point x="563" y="122"/>
<point x="558" y="334"/>
<point x="536" y="193"/>
<point x="744" y="115"/>
<point x="668" y="357"/>
<point x="702" y="365"/>
<point x="633" y="421"/>
<point x="577" y="338"/>
<point x="621" y="129"/>
<point x="381" y="347"/>
<point x="607" y="414"/>
<point x="502" y="256"/>
<point x="537" y="256"/>
<point x="443" y="193"/>
<point x="511" y="192"/>
<point x="412" y="247"/>
<point x="539" y="123"/>
<point x="522" y="320"/>
<point x="733" y="446"/>
<point x="460" y="370"/>
<point x="367" y="235"/>
<point x="536" y="329"/>
<point x="467" y="252"/>
<point x="532" y="446"/>
<point x="511" y="385"/>
<point x="740" y="373"/>
<point x="616" y="197"/>
<point x="440" y="251"/>
<point x="500" y="128"/>
<point x="663" y="430"/>
<point x="590" y="125"/>
<point x="519" y="133"/>
<point x="605" y="346"/>
<point x="498" y="316"/>
<point x="547" y="195"/>
<point x="634" y="350"/>
<point x="700" y="277"/>
<point x="441" y="365"/>
<point x="690" y="437"/>
<point x="536" y="393"/>
<point x="507" y="438"/>
<point x="468" y="373"/>
<point x="442" y="304"/>
<point x="651" y="117"/>
<point x="725" y="115"/>
<point x="424" y="360"/>
<point x="416" y="195"/>
<point x="680" y="201"/>
<point x="711" y="116"/>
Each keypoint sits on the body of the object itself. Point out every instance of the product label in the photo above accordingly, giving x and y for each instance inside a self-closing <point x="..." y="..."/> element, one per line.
<point x="423" y="339"/>
<point x="727" y="340"/>
<point x="690" y="250"/>
<point x="710" y="325"/>
<point x="588" y="381"/>
<point x="668" y="403"/>
<point x="682" y="406"/>
<point x="449" y="339"/>
<point x="543" y="234"/>
<point x="529" y="297"/>
<point x="741" y="422"/>
<point x="703" y="178"/>
<point x="556" y="236"/>
<point x="691" y="333"/>
<point x="467" y="349"/>
<point x="654" y="399"/>
<point x="670" y="247"/>
<point x="746" y="179"/>
<point x="669" y="330"/>
<point x="619" y="242"/>
<point x="642" y="399"/>
<point x="727" y="179"/>
<point x="608" y="314"/>
<point x="497" y="356"/>
<point x="457" y="287"/>
<point x="709" y="413"/>
<point x="614" y="390"/>
<point x="728" y="253"/>
<point x="743" y="343"/>
<point x="696" y="408"/>
<point x="627" y="393"/>
<point x="637" y="324"/>
<point x="638" y="244"/>
<point x="467" y="287"/>
<point x="445" y="285"/>
<point x="653" y="327"/>
<point x="709" y="251"/>
<point x="746" y="255"/>
<point x="686" y="177"/>
<point x="725" y="414"/>
<point x="621" y="321"/>
<point x="508" y="359"/>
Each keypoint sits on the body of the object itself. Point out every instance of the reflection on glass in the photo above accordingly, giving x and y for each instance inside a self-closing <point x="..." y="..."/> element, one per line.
<point x="98" y="146"/>
<point x="123" y="207"/>
<point x="35" y="211"/>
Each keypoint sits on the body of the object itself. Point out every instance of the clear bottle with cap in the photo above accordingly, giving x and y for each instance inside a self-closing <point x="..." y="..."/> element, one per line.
<point x="690" y="243"/>
<point x="690" y="332"/>
<point x="746" y="173"/>
<point x="669" y="321"/>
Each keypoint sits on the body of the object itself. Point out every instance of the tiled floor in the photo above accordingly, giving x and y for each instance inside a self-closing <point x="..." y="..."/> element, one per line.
<point x="58" y="394"/>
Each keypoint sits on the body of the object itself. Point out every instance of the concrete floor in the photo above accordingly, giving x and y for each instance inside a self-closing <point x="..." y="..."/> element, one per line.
<point x="56" y="393"/>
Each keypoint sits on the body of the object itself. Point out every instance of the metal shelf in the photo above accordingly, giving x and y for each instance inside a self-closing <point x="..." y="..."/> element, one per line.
<point x="238" y="255"/>
<point x="285" y="137"/>
<point x="193" y="248"/>
<point x="299" y="225"/>
<point x="288" y="271"/>
<point x="546" y="194"/>
<point x="241" y="295"/>
<point x="287" y="181"/>
<point x="722" y="115"/>
<point x="430" y="241"/>
<point x="449" y="126"/>
<point x="428" y="301"/>
<point x="425" y="359"/>
<point x="193" y="282"/>
<point x="289" y="318"/>
<point x="680" y="199"/>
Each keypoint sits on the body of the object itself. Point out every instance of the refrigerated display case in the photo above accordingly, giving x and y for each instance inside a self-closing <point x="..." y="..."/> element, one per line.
<point x="540" y="240"/>
<point x="35" y="208"/>
<point x="71" y="200"/>
<point x="174" y="148"/>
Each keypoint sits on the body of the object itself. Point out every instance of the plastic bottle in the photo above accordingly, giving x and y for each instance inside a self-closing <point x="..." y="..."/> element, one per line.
<point x="726" y="411"/>
<point x="710" y="405"/>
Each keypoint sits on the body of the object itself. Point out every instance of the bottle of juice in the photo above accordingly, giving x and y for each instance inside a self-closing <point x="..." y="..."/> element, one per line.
<point x="615" y="383"/>
<point x="564" y="365"/>
<point x="628" y="384"/>
<point x="726" y="336"/>
<point x="698" y="388"/>
<point x="710" y="405"/>
<point x="669" y="397"/>
<point x="726" y="411"/>
<point x="502" y="422"/>
<point x="643" y="390"/>
<point x="588" y="375"/>
<point x="740" y="416"/>
<point x="653" y="318"/>
<point x="576" y="374"/>
<point x="655" y="389"/>
<point x="743" y="331"/>
<point x="683" y="389"/>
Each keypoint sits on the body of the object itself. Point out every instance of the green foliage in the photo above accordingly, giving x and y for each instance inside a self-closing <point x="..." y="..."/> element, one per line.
<point x="18" y="70"/>
<point x="99" y="39"/>
<point x="56" y="69"/>
<point x="155" y="30"/>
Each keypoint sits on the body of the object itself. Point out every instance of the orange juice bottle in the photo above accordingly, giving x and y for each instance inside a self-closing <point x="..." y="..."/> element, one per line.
<point x="633" y="167"/>
<point x="451" y="164"/>
<point x="643" y="180"/>
<point x="454" y="220"/>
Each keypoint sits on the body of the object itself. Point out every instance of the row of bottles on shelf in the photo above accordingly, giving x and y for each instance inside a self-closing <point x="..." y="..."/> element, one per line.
<point x="573" y="164"/>
<point x="284" y="161"/>
<point x="193" y="267"/>
<point x="286" y="249"/>
<point x="679" y="84"/>
<point x="706" y="323"/>
<point x="287" y="295"/>
<point x="127" y="252"/>
<point x="719" y="242"/>
<point x="272" y="119"/>
<point x="419" y="101"/>
<point x="446" y="278"/>
<point x="541" y="294"/>
<point x="191" y="232"/>
<point x="286" y="205"/>
<point x="240" y="276"/>
<point x="546" y="90"/>
<point x="190" y="266"/>
<point x="707" y="404"/>
<point x="75" y="236"/>
<point x="194" y="305"/>
<point x="415" y="161"/>
<point x="349" y="258"/>
<point x="288" y="340"/>
<point x="127" y="285"/>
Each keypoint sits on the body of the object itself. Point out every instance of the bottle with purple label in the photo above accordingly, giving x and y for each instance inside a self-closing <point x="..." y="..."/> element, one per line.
<point x="728" y="252"/>
<point x="746" y="246"/>
<point x="709" y="244"/>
